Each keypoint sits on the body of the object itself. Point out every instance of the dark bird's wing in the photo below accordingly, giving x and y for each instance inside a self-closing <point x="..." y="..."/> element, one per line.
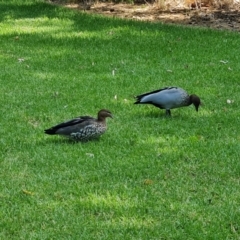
<point x="71" y="123"/>
<point x="152" y="93"/>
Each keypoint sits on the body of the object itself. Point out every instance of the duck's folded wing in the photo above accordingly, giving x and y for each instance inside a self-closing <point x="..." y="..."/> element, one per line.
<point x="68" y="125"/>
<point x="153" y="94"/>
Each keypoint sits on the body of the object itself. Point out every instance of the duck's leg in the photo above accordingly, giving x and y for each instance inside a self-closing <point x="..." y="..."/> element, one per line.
<point x="168" y="112"/>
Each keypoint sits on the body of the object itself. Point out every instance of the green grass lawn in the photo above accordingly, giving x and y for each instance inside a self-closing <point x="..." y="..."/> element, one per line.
<point x="148" y="177"/>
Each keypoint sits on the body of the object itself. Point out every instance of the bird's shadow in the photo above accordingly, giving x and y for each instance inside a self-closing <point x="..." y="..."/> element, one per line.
<point x="161" y="114"/>
<point x="153" y="114"/>
<point x="61" y="141"/>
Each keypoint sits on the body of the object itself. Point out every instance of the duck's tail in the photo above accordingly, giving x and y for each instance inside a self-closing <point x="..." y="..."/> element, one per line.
<point x="50" y="131"/>
<point x="138" y="99"/>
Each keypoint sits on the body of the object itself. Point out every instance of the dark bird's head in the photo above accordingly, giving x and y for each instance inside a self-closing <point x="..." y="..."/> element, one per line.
<point x="104" y="113"/>
<point x="195" y="100"/>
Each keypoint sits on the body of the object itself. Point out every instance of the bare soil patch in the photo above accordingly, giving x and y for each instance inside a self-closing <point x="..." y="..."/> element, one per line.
<point x="205" y="17"/>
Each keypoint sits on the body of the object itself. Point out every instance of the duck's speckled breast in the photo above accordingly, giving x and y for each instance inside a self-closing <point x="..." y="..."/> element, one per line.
<point x="89" y="132"/>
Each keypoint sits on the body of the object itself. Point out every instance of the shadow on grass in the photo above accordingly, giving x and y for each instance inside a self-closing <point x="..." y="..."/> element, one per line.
<point x="16" y="11"/>
<point x="161" y="114"/>
<point x="82" y="21"/>
<point x="63" y="140"/>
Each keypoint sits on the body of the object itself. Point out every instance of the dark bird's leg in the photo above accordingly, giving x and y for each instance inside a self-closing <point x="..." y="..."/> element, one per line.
<point x="168" y="112"/>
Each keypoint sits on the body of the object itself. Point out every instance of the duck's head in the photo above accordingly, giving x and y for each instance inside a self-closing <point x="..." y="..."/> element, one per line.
<point x="104" y="113"/>
<point x="195" y="100"/>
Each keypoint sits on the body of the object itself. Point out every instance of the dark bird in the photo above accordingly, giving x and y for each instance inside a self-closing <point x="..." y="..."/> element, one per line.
<point x="82" y="128"/>
<point x="169" y="98"/>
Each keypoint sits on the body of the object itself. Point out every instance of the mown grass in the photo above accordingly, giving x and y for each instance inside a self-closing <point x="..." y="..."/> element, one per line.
<point x="148" y="177"/>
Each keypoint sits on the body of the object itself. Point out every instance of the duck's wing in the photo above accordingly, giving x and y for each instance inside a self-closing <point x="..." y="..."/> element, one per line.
<point x="153" y="93"/>
<point x="68" y="125"/>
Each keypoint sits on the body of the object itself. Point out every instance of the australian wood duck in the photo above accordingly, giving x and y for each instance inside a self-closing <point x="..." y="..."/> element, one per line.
<point x="169" y="98"/>
<point x="82" y="128"/>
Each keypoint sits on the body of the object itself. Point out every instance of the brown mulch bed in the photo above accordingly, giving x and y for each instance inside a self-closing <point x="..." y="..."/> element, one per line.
<point x="205" y="17"/>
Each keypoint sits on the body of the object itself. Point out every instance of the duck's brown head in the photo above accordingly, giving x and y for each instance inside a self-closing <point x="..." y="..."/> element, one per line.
<point x="104" y="113"/>
<point x="195" y="100"/>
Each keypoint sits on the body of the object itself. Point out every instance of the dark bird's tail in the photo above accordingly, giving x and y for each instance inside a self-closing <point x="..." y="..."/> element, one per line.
<point x="138" y="99"/>
<point x="50" y="131"/>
